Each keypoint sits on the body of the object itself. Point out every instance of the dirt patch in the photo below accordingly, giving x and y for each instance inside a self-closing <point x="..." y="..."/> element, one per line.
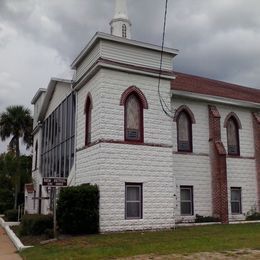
<point x="243" y="254"/>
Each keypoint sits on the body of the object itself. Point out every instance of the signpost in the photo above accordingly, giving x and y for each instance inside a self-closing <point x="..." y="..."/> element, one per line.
<point x="54" y="183"/>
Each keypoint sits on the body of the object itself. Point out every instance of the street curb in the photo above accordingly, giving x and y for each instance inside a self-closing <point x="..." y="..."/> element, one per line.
<point x="16" y="241"/>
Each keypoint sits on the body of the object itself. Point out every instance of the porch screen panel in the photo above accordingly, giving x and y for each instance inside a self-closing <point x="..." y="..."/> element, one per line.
<point x="58" y="141"/>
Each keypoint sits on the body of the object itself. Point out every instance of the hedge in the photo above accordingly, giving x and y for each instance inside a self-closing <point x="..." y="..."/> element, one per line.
<point x="35" y="224"/>
<point x="6" y="200"/>
<point x="253" y="216"/>
<point x="78" y="209"/>
<point x="11" y="215"/>
<point x="205" y="219"/>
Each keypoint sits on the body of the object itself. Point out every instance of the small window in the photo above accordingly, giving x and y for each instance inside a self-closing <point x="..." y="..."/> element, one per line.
<point x="124" y="31"/>
<point x="236" y="207"/>
<point x="186" y="200"/>
<point x="133" y="119"/>
<point x="184" y="132"/>
<point x="133" y="200"/>
<point x="233" y="137"/>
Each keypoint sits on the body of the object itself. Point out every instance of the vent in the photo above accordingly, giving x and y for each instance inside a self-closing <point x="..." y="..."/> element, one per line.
<point x="232" y="149"/>
<point x="132" y="134"/>
<point x="184" y="146"/>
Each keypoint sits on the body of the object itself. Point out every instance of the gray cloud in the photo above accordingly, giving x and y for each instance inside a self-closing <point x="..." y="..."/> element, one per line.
<point x="39" y="39"/>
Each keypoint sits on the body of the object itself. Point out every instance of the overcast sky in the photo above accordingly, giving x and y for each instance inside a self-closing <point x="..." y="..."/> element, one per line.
<point x="39" y="39"/>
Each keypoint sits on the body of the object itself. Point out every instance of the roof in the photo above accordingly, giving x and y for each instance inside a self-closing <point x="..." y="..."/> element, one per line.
<point x="121" y="40"/>
<point x="49" y="93"/>
<point x="37" y="95"/>
<point x="29" y="187"/>
<point x="211" y="87"/>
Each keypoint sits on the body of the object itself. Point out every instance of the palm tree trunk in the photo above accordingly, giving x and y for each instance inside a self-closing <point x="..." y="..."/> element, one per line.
<point x="17" y="174"/>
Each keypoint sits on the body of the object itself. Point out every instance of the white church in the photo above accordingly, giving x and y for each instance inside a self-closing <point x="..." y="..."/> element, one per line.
<point x="106" y="126"/>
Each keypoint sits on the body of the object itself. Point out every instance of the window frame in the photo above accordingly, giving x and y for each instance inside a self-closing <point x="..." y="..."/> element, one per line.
<point x="141" y="119"/>
<point x="232" y="118"/>
<point x="140" y="186"/>
<point x="236" y="201"/>
<point x="190" y="149"/>
<point x="191" y="201"/>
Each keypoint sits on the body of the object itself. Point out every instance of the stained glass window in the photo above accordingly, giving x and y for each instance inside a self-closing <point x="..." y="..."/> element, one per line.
<point x="232" y="136"/>
<point x="184" y="132"/>
<point x="133" y="118"/>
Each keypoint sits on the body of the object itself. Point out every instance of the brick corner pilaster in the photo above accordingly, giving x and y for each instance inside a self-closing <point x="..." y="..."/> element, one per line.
<point x="218" y="166"/>
<point x="256" y="129"/>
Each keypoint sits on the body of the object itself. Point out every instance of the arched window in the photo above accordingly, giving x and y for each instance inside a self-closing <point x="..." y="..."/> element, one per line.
<point x="134" y="103"/>
<point x="133" y="118"/>
<point x="88" y="116"/>
<point x="36" y="155"/>
<point x="124" y="31"/>
<point x="232" y="136"/>
<point x="184" y="132"/>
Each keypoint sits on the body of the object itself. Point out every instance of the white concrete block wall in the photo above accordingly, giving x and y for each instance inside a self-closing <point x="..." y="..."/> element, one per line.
<point x="88" y="165"/>
<point x="94" y="87"/>
<point x="151" y="166"/>
<point x="241" y="173"/>
<point x="193" y="170"/>
<point x="112" y="165"/>
<point x="157" y="126"/>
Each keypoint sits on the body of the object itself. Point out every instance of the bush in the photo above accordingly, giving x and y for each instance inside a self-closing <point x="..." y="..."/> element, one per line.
<point x="35" y="224"/>
<point x="254" y="216"/>
<point x="11" y="215"/>
<point x="202" y="219"/>
<point x="78" y="209"/>
<point x="6" y="200"/>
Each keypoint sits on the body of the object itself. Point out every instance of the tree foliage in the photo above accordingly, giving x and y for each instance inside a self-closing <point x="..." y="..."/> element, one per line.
<point x="8" y="166"/>
<point x="16" y="122"/>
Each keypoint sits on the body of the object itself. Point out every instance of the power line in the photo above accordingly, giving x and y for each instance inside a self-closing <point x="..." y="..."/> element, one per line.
<point x="163" y="104"/>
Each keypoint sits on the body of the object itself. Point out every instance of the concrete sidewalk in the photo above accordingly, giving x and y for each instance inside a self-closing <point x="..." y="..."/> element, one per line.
<point x="7" y="249"/>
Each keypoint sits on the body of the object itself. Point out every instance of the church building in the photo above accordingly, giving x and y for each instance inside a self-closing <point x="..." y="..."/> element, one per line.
<point x="159" y="155"/>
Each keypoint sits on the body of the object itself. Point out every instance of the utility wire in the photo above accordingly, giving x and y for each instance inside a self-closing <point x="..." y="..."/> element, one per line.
<point x="163" y="104"/>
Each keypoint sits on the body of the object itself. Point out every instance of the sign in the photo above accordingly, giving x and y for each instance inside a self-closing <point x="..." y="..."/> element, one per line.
<point x="54" y="182"/>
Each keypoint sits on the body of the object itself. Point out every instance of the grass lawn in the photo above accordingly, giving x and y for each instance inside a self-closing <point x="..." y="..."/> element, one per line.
<point x="180" y="241"/>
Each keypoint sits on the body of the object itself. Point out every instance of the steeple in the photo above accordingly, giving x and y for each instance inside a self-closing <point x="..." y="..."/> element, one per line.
<point x="120" y="24"/>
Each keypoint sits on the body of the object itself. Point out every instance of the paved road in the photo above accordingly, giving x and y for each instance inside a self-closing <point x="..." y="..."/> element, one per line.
<point x="7" y="249"/>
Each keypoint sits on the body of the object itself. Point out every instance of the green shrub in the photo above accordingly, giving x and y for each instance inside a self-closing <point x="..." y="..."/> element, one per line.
<point x="49" y="233"/>
<point x="11" y="215"/>
<point x="254" y="216"/>
<point x="6" y="200"/>
<point x="202" y="219"/>
<point x="35" y="224"/>
<point x="78" y="209"/>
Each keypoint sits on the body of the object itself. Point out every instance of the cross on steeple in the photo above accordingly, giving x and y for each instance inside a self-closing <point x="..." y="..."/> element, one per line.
<point x="120" y="24"/>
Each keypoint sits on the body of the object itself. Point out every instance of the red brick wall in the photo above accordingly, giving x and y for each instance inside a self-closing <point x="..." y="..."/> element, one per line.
<point x="218" y="167"/>
<point x="256" y="127"/>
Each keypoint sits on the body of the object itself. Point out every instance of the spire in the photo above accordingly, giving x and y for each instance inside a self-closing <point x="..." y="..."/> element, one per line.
<point x="121" y="10"/>
<point x="120" y="24"/>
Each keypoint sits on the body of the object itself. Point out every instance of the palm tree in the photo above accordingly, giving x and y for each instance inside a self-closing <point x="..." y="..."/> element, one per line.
<point x="16" y="122"/>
